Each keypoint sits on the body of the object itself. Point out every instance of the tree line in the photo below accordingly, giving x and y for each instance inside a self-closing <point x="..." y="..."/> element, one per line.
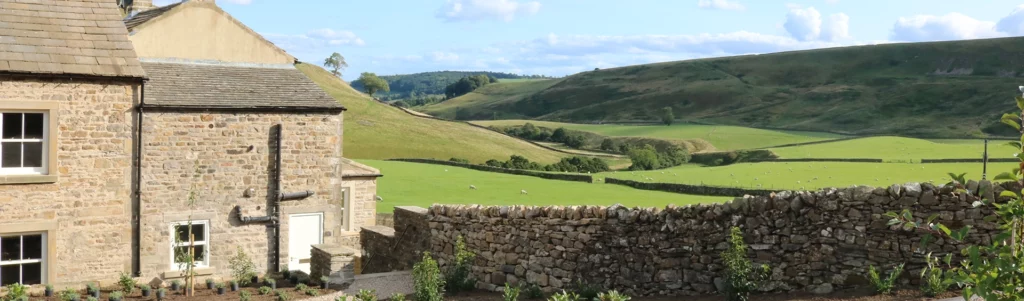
<point x="432" y="83"/>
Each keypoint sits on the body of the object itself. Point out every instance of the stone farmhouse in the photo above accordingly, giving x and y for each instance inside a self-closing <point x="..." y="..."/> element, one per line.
<point x="121" y="130"/>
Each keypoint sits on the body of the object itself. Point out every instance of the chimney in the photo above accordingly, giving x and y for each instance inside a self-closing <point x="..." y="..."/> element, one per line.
<point x="142" y="5"/>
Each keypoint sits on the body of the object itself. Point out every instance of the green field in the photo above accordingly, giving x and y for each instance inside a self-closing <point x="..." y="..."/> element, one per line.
<point x="377" y="131"/>
<point x="721" y="137"/>
<point x="421" y="185"/>
<point x="898" y="148"/>
<point x="801" y="175"/>
<point x="480" y="102"/>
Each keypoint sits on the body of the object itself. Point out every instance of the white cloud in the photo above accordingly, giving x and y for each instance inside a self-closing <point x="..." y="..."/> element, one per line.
<point x="837" y="28"/>
<point x="952" y="26"/>
<point x="336" y="37"/>
<point x="1014" y="23"/>
<point x="478" y="10"/>
<point x="720" y="4"/>
<point x="439" y="56"/>
<point x="803" y="23"/>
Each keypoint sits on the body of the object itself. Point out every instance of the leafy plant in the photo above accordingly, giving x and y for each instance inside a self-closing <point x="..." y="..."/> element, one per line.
<point x="15" y="292"/>
<point x="957" y="180"/>
<point x="511" y="293"/>
<point x="68" y="294"/>
<point x="564" y="296"/>
<point x="612" y="296"/>
<point x="311" y="292"/>
<point x="209" y="281"/>
<point x="366" y="295"/>
<point x="48" y="287"/>
<point x="458" y="276"/>
<point x="242" y="267"/>
<point x="220" y="285"/>
<point x="117" y="295"/>
<point x="127" y="283"/>
<point x="161" y="291"/>
<point x="145" y="287"/>
<point x="741" y="277"/>
<point x="271" y="281"/>
<point x="244" y="296"/>
<point x="264" y="290"/>
<point x="91" y="287"/>
<point x="935" y="280"/>
<point x="397" y="297"/>
<point x="301" y="287"/>
<point x="427" y="282"/>
<point x="325" y="279"/>
<point x="176" y="283"/>
<point x="533" y="291"/>
<point x="282" y="296"/>
<point x="91" y="298"/>
<point x="884" y="286"/>
<point x="587" y="291"/>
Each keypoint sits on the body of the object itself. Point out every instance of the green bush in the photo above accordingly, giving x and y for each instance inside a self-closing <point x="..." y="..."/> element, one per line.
<point x="242" y="267"/>
<point x="427" y="281"/>
<point x="935" y="280"/>
<point x="118" y="295"/>
<point x="282" y="296"/>
<point x="91" y="298"/>
<point x="397" y="297"/>
<point x="612" y="296"/>
<point x="564" y="296"/>
<point x="458" y="276"/>
<point x="301" y="287"/>
<point x="311" y="292"/>
<point x="533" y="292"/>
<point x="366" y="295"/>
<point x="264" y="290"/>
<point x="586" y="291"/>
<point x="884" y="286"/>
<point x="16" y="291"/>
<point x="244" y="296"/>
<point x="741" y="277"/>
<point x="510" y="293"/>
<point x="127" y="283"/>
<point x="68" y="294"/>
<point x="459" y="160"/>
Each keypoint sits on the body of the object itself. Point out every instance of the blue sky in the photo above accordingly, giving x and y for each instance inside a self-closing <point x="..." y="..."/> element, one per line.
<point x="561" y="37"/>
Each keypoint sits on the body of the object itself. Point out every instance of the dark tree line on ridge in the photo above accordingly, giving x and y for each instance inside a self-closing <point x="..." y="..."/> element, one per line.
<point x="432" y="83"/>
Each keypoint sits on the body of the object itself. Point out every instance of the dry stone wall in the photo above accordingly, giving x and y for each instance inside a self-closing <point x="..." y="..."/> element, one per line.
<point x="816" y="241"/>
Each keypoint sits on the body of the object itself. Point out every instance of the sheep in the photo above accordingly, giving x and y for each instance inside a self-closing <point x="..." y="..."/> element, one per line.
<point x="378" y="198"/>
<point x="472" y="187"/>
<point x="523" y="191"/>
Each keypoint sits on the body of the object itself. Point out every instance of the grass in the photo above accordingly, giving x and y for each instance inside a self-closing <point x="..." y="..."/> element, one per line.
<point x="934" y="89"/>
<point x="800" y="175"/>
<point x="898" y="148"/>
<point x="416" y="184"/>
<point x="377" y="131"/>
<point x="482" y="101"/>
<point x="721" y="137"/>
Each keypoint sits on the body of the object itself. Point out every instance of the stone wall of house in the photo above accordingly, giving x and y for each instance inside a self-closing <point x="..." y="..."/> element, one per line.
<point x="222" y="155"/>
<point x="396" y="249"/>
<point x="813" y="240"/>
<point x="88" y="208"/>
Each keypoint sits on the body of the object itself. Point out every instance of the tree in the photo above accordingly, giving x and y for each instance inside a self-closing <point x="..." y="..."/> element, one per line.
<point x="558" y="135"/>
<point x="666" y="116"/>
<point x="644" y="158"/>
<point x="372" y="83"/>
<point x="575" y="141"/>
<point x="336" y="63"/>
<point x="608" y="145"/>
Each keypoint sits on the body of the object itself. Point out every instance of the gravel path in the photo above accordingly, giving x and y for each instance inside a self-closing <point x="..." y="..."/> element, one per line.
<point x="385" y="284"/>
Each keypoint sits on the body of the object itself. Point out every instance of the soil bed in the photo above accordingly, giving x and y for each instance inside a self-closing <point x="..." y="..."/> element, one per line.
<point x="201" y="293"/>
<point x="863" y="294"/>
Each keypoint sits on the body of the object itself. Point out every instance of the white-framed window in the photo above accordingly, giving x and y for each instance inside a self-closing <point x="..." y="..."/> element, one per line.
<point x="23" y="142"/>
<point x="200" y="232"/>
<point x="23" y="258"/>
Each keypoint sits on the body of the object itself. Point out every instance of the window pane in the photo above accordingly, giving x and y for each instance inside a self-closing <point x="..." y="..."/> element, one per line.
<point x="33" y="154"/>
<point x="200" y="253"/>
<point x="33" y="125"/>
<point x="31" y="273"/>
<point x="10" y="274"/>
<point x="197" y="232"/>
<point x="32" y="247"/>
<point x="10" y="154"/>
<point x="10" y="248"/>
<point x="12" y="126"/>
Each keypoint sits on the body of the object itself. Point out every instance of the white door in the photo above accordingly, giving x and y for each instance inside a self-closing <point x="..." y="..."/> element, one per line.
<point x="304" y="231"/>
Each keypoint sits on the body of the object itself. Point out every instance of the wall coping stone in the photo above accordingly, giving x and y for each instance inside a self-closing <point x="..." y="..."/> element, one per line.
<point x="381" y="230"/>
<point x="413" y="209"/>
<point x="336" y="250"/>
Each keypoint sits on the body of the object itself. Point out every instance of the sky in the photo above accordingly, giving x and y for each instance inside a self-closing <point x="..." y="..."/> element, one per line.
<point x="562" y="37"/>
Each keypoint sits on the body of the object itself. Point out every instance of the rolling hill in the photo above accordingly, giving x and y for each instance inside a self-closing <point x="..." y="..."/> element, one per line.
<point x="934" y="89"/>
<point x="432" y="82"/>
<point x="377" y="131"/>
<point x="483" y="100"/>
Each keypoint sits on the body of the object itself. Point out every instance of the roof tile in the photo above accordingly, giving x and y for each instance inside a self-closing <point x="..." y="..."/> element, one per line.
<point x="202" y="85"/>
<point x="65" y="37"/>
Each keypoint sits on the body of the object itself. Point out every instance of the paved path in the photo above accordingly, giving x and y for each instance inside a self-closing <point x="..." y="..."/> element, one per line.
<point x="385" y="284"/>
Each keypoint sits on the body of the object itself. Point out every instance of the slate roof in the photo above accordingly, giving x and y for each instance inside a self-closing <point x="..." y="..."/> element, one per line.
<point x="84" y="37"/>
<point x="230" y="86"/>
<point x="146" y="15"/>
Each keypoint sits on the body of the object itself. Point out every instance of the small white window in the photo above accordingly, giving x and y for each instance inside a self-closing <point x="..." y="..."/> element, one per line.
<point x="200" y="233"/>
<point x="22" y="259"/>
<point x="23" y="143"/>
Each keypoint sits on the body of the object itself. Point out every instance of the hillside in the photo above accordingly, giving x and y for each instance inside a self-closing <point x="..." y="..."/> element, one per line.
<point x="483" y="100"/>
<point x="377" y="131"/>
<point x="936" y="89"/>
<point x="431" y="82"/>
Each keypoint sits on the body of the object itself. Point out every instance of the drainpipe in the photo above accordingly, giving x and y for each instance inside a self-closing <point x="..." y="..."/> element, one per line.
<point x="137" y="207"/>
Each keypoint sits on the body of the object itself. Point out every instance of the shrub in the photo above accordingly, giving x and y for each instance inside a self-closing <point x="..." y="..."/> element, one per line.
<point x="511" y="293"/>
<point x="427" y="281"/>
<point x="884" y="286"/>
<point x="366" y="295"/>
<point x="91" y="298"/>
<point x="244" y="296"/>
<point x="301" y="287"/>
<point x="397" y="297"/>
<point x="242" y="267"/>
<point x="459" y="160"/>
<point x="564" y="296"/>
<point x="127" y="283"/>
<point x="16" y="291"/>
<point x="270" y="281"/>
<point x="282" y="296"/>
<point x="145" y="287"/>
<point x="209" y="281"/>
<point x="458" y="276"/>
<point x="608" y="145"/>
<point x="91" y="287"/>
<point x="533" y="292"/>
<point x="311" y="292"/>
<point x="264" y="290"/>
<point x="118" y="295"/>
<point x="934" y="280"/>
<point x="586" y="291"/>
<point x="220" y="285"/>
<point x="612" y="296"/>
<point x="575" y="141"/>
<point x="68" y="294"/>
<point x="173" y="282"/>
<point x="740" y="275"/>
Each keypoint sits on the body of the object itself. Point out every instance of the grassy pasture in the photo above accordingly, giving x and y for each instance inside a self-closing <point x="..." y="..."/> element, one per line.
<point x="898" y="148"/>
<point x="483" y="99"/>
<point x="810" y="175"/>
<point x="421" y="185"/>
<point x="721" y="137"/>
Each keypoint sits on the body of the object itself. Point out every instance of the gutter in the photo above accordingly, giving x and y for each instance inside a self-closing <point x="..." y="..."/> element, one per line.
<point x="268" y="109"/>
<point x="374" y="175"/>
<point x="137" y="204"/>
